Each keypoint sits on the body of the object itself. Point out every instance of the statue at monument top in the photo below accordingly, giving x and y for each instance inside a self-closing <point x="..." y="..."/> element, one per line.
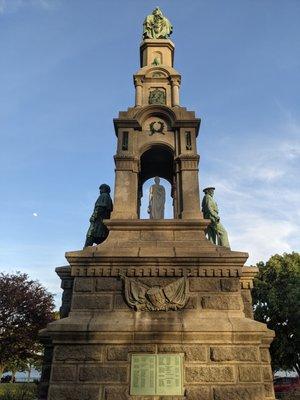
<point x="216" y="233"/>
<point x="157" y="26"/>
<point x="157" y="198"/>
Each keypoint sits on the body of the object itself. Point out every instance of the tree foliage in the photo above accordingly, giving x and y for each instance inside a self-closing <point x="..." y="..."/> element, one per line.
<point x="276" y="300"/>
<point x="25" y="308"/>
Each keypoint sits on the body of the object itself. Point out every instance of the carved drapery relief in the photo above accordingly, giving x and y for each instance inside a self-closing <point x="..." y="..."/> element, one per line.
<point x="142" y="297"/>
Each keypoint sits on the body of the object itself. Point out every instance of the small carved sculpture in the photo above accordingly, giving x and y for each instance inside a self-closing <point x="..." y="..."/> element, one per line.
<point x="155" y="61"/>
<point x="157" y="127"/>
<point x="157" y="26"/>
<point x="142" y="297"/>
<point x="216" y="232"/>
<point x="157" y="96"/>
<point x="157" y="198"/>
<point x="98" y="232"/>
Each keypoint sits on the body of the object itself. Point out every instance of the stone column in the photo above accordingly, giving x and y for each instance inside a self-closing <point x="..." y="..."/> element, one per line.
<point x="138" y="92"/>
<point x="189" y="190"/>
<point x="67" y="285"/>
<point x="126" y="188"/>
<point x="175" y="92"/>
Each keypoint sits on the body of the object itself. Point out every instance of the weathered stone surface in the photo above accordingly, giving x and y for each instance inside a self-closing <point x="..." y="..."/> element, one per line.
<point x="238" y="393"/>
<point x="78" y="353"/>
<point x="91" y="301"/>
<point x="63" y="372"/>
<point x="116" y="393"/>
<point x="204" y="284"/>
<point x="120" y="303"/>
<point x="249" y="373"/>
<point x="209" y="374"/>
<point x="75" y="392"/>
<point x="265" y="355"/>
<point x="226" y="353"/>
<point x="230" y="284"/>
<point x="106" y="374"/>
<point x="221" y="302"/>
<point x="191" y="352"/>
<point x="247" y="301"/>
<point x="121" y="353"/>
<point x="267" y="373"/>
<point x="108" y="284"/>
<point x="269" y="390"/>
<point x="198" y="393"/>
<point x="192" y="303"/>
<point x="83" y="284"/>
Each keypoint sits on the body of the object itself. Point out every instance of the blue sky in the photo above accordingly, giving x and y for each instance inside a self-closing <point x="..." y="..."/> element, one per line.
<point x="66" y="70"/>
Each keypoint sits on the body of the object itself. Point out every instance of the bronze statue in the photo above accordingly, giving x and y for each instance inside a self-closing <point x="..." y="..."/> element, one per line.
<point x="156" y="26"/>
<point x="98" y="232"/>
<point x="216" y="232"/>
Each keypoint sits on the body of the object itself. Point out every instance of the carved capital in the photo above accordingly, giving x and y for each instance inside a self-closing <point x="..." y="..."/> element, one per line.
<point x="248" y="274"/>
<point x="176" y="81"/>
<point x="126" y="163"/>
<point x="138" y="81"/>
<point x="187" y="162"/>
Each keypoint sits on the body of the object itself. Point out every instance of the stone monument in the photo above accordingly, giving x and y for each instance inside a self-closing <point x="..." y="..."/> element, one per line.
<point x="156" y="311"/>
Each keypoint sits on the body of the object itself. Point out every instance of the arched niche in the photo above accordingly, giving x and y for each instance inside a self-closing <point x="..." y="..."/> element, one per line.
<point x="157" y="160"/>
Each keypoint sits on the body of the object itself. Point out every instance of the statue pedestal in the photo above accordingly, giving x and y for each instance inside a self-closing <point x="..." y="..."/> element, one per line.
<point x="225" y="352"/>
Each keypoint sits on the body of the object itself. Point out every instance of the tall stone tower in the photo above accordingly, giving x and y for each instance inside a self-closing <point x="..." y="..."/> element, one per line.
<point x="156" y="311"/>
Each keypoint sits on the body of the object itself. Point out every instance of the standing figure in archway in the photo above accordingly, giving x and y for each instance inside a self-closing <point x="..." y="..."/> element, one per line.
<point x="157" y="198"/>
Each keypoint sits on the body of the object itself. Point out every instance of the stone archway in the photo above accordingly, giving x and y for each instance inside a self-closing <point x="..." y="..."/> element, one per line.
<point x="158" y="160"/>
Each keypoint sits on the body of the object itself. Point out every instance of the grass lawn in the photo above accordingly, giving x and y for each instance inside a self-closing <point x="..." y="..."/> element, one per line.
<point x="18" y="391"/>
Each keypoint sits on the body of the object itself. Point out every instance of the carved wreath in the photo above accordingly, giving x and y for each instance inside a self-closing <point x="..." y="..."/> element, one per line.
<point x="157" y="127"/>
<point x="142" y="297"/>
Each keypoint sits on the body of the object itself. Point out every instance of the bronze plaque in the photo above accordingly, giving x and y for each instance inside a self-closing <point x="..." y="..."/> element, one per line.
<point x="156" y="375"/>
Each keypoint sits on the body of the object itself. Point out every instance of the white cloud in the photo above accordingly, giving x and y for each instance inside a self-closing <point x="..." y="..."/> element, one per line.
<point x="2" y="6"/>
<point x="12" y="6"/>
<point x="258" y="191"/>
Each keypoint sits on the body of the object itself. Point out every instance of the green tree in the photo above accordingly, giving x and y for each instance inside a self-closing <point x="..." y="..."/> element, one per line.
<point x="276" y="300"/>
<point x="25" y="308"/>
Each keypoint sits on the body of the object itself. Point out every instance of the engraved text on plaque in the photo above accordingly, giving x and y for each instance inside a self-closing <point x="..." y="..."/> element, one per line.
<point x="156" y="374"/>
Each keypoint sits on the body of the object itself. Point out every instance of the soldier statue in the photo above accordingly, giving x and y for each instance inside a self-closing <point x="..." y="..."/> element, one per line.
<point x="156" y="26"/>
<point x="216" y="232"/>
<point x="98" y="232"/>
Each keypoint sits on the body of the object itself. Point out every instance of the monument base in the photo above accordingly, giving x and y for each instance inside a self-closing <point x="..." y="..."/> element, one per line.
<point x="157" y="288"/>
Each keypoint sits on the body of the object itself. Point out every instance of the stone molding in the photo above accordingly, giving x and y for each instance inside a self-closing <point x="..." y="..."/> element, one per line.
<point x="153" y="271"/>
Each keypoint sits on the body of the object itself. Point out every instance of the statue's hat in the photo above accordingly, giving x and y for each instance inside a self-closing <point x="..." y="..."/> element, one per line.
<point x="208" y="188"/>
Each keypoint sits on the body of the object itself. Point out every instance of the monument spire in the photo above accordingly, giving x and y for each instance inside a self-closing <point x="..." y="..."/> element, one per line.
<point x="157" y="137"/>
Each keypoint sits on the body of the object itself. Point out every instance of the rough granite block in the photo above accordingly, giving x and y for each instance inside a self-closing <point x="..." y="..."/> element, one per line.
<point x="204" y="285"/>
<point x="191" y="352"/>
<point x="92" y="301"/>
<point x="238" y="393"/>
<point x="75" y="392"/>
<point x="249" y="373"/>
<point x="221" y="302"/>
<point x="78" y="352"/>
<point x="230" y="284"/>
<point x="63" y="373"/>
<point x="122" y="353"/>
<point x="101" y="374"/>
<point x="226" y="353"/>
<point x="83" y="284"/>
<point x="209" y="374"/>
